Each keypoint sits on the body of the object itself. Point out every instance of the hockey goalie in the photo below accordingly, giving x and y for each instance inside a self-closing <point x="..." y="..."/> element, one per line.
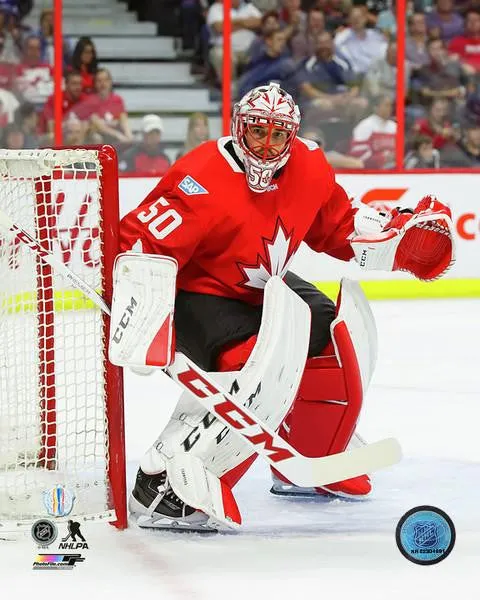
<point x="229" y="216"/>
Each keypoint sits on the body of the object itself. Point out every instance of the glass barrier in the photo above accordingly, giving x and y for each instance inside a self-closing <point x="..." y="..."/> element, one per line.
<point x="149" y="77"/>
<point x="442" y="113"/>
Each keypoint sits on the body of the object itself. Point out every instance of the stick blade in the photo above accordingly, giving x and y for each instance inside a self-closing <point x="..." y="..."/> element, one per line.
<point x="352" y="463"/>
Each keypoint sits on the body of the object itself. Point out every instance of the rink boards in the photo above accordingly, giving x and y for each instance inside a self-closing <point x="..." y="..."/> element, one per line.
<point x="384" y="191"/>
<point x="77" y="240"/>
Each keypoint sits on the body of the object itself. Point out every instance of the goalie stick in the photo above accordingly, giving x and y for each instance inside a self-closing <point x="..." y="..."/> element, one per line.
<point x="230" y="410"/>
<point x="49" y="258"/>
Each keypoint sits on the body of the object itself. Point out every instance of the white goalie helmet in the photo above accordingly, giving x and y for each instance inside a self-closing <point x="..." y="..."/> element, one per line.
<point x="265" y="123"/>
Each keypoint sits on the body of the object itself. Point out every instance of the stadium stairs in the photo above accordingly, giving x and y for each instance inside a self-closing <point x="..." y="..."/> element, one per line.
<point x="147" y="70"/>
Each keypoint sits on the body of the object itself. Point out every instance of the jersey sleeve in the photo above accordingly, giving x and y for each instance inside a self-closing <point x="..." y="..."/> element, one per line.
<point x="333" y="225"/>
<point x="167" y="222"/>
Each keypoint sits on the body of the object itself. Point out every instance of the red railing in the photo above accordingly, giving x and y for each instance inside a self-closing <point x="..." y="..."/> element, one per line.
<point x="58" y="69"/>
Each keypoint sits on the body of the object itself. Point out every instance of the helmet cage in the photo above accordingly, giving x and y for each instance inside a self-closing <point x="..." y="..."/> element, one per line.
<point x="264" y="149"/>
<point x="272" y="108"/>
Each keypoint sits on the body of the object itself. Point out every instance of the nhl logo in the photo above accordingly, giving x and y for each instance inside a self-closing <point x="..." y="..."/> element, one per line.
<point x="426" y="534"/>
<point x="58" y="501"/>
<point x="44" y="532"/>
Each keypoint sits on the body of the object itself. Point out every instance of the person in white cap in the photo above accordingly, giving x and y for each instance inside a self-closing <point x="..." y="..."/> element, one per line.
<point x="148" y="156"/>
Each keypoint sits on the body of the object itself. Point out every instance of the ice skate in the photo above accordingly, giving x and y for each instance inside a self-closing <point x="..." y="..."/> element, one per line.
<point x="153" y="504"/>
<point x="356" y="488"/>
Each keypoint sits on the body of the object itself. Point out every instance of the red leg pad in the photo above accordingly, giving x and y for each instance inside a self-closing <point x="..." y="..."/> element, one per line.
<point x="326" y="409"/>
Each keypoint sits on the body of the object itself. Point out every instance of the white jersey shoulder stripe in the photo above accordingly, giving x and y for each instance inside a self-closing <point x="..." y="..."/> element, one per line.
<point x="221" y="143"/>
<point x="310" y="144"/>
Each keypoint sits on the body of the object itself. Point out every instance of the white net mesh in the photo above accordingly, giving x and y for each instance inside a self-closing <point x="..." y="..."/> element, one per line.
<point x="53" y="427"/>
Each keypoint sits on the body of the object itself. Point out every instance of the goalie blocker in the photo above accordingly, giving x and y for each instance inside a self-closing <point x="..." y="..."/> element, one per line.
<point x="197" y="459"/>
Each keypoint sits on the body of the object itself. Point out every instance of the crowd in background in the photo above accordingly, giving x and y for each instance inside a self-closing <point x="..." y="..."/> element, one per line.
<point x="92" y="113"/>
<point x="337" y="57"/>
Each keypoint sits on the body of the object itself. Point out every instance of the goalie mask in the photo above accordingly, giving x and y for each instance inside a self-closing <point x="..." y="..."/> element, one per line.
<point x="264" y="126"/>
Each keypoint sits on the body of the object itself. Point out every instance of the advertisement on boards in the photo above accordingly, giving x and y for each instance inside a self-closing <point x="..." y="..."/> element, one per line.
<point x="383" y="191"/>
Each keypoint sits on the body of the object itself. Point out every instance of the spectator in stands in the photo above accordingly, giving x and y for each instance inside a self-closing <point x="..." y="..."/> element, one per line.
<point x="26" y="117"/>
<point x="472" y="108"/>
<point x="245" y="21"/>
<point x="437" y="124"/>
<point x="467" y="46"/>
<point x="197" y="132"/>
<point x="4" y="120"/>
<point x="445" y="19"/>
<point x="387" y="22"/>
<point x="7" y="74"/>
<point x="327" y="84"/>
<point x="13" y="138"/>
<point x="442" y="77"/>
<point x="336" y="159"/>
<point x="24" y="7"/>
<point x="371" y="8"/>
<point x="73" y="100"/>
<point x="467" y="151"/>
<point x="335" y="11"/>
<point x="423" y="155"/>
<point x="303" y="44"/>
<point x="292" y="18"/>
<point x="10" y="33"/>
<point x="74" y="132"/>
<point x="416" y="44"/>
<point x="374" y="138"/>
<point x="107" y="112"/>
<point x="84" y="61"/>
<point x="381" y="78"/>
<point x="199" y="62"/>
<point x="45" y="33"/>
<point x="361" y="46"/>
<point x="191" y="12"/>
<point x="9" y="105"/>
<point x="9" y="6"/>
<point x="33" y="77"/>
<point x="269" y="22"/>
<point x="272" y="65"/>
<point x="148" y="156"/>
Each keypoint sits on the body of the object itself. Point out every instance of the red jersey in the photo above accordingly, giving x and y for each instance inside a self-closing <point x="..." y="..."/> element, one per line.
<point x="423" y="127"/>
<point x="468" y="49"/>
<point x="229" y="240"/>
<point x="68" y="105"/>
<point x="142" y="162"/>
<point x="6" y="75"/>
<point x="109" y="109"/>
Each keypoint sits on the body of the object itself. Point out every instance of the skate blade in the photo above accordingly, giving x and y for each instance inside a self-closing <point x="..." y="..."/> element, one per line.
<point x="159" y="522"/>
<point x="290" y="492"/>
<point x="165" y="524"/>
<point x="312" y="494"/>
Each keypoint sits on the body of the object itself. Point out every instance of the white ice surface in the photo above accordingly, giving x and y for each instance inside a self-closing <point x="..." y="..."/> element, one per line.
<point x="426" y="392"/>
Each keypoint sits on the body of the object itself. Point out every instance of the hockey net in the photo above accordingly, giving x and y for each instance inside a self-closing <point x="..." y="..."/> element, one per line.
<point x="61" y="401"/>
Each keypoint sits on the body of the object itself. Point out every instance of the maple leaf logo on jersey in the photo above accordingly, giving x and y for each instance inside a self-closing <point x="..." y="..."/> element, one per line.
<point x="278" y="254"/>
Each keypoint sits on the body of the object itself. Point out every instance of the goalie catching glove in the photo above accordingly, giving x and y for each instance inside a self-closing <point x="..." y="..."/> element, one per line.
<point x="419" y="241"/>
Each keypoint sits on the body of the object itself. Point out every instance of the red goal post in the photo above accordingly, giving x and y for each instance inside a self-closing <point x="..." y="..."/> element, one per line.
<point x="61" y="401"/>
